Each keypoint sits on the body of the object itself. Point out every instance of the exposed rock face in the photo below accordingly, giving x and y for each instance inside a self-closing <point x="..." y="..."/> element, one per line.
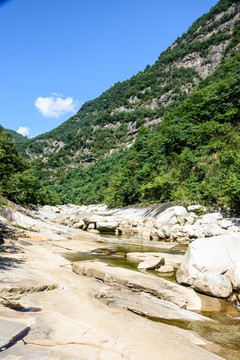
<point x="209" y="255"/>
<point x="213" y="284"/>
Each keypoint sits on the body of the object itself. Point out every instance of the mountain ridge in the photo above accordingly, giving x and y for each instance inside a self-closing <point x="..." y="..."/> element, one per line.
<point x="104" y="154"/>
<point x="146" y="97"/>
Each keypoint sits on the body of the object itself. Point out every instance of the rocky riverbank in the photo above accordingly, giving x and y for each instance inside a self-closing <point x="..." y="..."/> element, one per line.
<point x="212" y="261"/>
<point x="51" y="309"/>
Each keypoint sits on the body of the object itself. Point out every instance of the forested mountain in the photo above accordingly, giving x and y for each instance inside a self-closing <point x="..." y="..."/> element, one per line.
<point x="169" y="133"/>
<point x="18" y="181"/>
<point x="15" y="136"/>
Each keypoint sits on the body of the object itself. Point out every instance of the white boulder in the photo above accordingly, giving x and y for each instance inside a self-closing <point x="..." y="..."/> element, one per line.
<point x="106" y="226"/>
<point x="171" y="216"/>
<point x="164" y="232"/>
<point x="194" y="207"/>
<point x="211" y="218"/>
<point x="212" y="230"/>
<point x="213" y="284"/>
<point x="215" y="254"/>
<point x="225" y="223"/>
<point x="194" y="232"/>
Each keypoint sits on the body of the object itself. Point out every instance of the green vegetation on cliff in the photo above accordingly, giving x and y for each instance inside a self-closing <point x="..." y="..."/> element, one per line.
<point x="18" y="182"/>
<point x="193" y="155"/>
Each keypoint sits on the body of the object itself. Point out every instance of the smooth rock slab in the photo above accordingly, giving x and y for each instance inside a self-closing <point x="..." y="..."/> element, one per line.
<point x="213" y="284"/>
<point x="146" y="304"/>
<point x="183" y="297"/>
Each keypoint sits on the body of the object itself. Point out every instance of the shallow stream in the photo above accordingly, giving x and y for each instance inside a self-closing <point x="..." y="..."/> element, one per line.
<point x="222" y="335"/>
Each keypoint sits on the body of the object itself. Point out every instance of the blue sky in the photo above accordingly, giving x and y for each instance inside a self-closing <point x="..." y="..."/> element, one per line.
<point x="57" y="54"/>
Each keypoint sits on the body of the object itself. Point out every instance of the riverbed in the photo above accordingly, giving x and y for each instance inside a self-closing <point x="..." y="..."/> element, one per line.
<point x="222" y="334"/>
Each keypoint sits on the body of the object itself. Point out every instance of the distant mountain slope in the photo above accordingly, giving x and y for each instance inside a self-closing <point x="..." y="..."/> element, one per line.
<point x="15" y="136"/>
<point x="188" y="148"/>
<point x="193" y="155"/>
<point x="111" y="121"/>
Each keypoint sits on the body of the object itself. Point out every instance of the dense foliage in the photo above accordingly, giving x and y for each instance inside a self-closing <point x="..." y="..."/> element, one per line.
<point x="18" y="182"/>
<point x="193" y="155"/>
<point x="194" y="152"/>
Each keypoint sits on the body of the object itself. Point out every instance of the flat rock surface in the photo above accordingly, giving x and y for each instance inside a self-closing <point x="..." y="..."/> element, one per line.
<point x="163" y="289"/>
<point x="146" y="304"/>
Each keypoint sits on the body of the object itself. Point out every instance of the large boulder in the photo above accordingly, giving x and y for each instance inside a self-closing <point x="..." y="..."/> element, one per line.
<point x="212" y="230"/>
<point x="213" y="284"/>
<point x="107" y="226"/>
<point x="164" y="232"/>
<point x="225" y="223"/>
<point x="171" y="216"/>
<point x="214" y="254"/>
<point x="211" y="218"/>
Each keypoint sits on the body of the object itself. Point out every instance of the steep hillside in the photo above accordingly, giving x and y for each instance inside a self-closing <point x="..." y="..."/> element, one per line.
<point x="188" y="102"/>
<point x="193" y="155"/>
<point x="111" y="121"/>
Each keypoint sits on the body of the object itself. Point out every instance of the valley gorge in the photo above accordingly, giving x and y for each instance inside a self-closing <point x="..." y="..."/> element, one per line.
<point x="120" y="228"/>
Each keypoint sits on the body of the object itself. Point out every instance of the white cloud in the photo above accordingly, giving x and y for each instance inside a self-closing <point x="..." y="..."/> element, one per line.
<point x="55" y="105"/>
<point x="23" y="130"/>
